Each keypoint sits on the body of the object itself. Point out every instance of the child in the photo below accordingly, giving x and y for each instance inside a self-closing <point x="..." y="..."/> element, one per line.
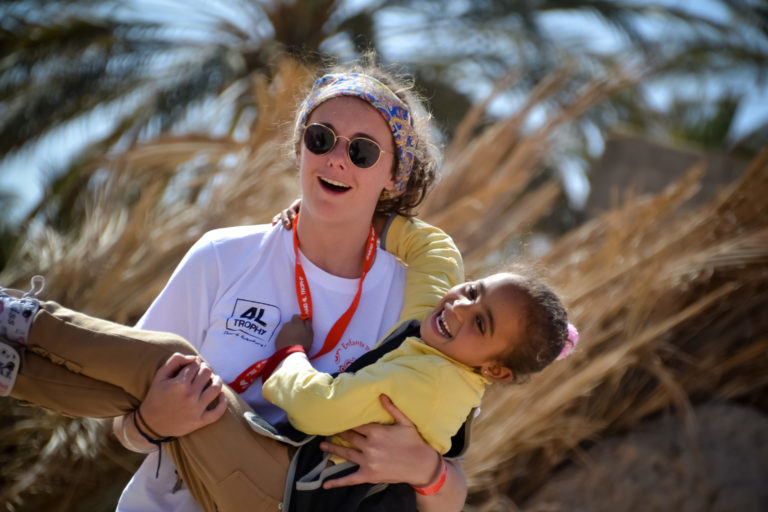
<point x="498" y="328"/>
<point x="471" y="337"/>
<point x="494" y="329"/>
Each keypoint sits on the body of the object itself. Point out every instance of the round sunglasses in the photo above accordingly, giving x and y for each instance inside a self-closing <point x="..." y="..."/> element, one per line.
<point x="363" y="152"/>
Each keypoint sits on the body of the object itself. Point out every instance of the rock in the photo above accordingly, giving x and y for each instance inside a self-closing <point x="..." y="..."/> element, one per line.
<point x="718" y="464"/>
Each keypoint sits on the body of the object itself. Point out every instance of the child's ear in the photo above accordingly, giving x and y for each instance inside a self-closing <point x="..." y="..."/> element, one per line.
<point x="495" y="371"/>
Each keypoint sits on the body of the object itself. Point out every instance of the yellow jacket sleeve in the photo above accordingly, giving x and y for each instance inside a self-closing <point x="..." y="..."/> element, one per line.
<point x="433" y="264"/>
<point x="434" y="393"/>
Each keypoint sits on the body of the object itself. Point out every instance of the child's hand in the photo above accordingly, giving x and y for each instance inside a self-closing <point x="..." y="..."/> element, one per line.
<point x="295" y="332"/>
<point x="286" y="216"/>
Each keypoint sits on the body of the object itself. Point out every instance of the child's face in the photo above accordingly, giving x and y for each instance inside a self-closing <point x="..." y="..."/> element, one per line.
<point x="476" y="322"/>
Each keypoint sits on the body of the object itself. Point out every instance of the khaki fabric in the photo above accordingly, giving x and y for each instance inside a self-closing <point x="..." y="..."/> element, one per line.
<point x="82" y="366"/>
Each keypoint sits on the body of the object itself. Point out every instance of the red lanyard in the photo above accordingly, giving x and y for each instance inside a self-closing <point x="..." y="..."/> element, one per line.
<point x="304" y="298"/>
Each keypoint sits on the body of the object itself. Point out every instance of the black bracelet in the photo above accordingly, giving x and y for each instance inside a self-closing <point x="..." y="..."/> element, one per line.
<point x="157" y="442"/>
<point x="161" y="439"/>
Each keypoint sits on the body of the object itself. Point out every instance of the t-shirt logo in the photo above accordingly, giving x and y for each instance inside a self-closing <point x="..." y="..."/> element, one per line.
<point x="254" y="321"/>
<point x="348" y="351"/>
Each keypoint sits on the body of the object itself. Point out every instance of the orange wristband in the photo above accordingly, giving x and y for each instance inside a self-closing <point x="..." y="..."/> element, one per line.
<point x="432" y="489"/>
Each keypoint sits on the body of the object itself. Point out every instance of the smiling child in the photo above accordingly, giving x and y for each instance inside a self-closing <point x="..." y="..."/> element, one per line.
<point x="498" y="328"/>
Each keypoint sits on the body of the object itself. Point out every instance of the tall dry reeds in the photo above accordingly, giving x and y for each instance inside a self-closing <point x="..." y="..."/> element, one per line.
<point x="148" y="205"/>
<point x="672" y="306"/>
<point x="670" y="302"/>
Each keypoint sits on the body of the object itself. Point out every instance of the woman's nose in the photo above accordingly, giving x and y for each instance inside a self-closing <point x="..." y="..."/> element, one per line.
<point x="338" y="154"/>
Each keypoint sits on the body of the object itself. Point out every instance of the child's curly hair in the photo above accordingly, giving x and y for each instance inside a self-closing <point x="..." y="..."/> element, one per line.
<point x="546" y="326"/>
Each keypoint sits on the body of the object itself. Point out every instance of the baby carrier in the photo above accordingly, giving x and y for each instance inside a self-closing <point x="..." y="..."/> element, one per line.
<point x="310" y="468"/>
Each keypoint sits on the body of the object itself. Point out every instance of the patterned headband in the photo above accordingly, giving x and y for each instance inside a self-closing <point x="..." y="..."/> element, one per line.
<point x="381" y="97"/>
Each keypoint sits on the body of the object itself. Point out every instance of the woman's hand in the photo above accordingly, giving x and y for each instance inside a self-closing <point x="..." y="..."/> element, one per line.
<point x="387" y="453"/>
<point x="397" y="453"/>
<point x="184" y="396"/>
<point x="295" y="332"/>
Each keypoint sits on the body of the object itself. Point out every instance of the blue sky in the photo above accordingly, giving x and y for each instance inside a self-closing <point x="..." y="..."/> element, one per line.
<point x="26" y="171"/>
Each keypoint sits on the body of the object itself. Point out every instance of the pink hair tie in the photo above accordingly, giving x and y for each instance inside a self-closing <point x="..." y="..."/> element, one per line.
<point x="570" y="343"/>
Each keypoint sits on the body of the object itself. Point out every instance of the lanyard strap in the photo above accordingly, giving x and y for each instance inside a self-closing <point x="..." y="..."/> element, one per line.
<point x="304" y="298"/>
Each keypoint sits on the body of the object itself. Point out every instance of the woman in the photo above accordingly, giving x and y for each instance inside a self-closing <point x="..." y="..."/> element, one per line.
<point x="361" y="149"/>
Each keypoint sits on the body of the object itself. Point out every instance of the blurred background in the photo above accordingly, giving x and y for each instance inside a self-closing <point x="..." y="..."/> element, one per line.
<point x="620" y="146"/>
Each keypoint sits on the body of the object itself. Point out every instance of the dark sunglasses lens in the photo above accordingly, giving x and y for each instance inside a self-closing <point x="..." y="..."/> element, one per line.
<point x="363" y="153"/>
<point x="319" y="139"/>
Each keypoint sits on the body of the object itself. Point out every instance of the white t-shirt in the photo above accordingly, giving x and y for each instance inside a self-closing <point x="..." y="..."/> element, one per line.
<point x="229" y="296"/>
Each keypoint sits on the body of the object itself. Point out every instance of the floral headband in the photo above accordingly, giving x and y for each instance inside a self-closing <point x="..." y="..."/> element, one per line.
<point x="381" y="97"/>
<point x="570" y="343"/>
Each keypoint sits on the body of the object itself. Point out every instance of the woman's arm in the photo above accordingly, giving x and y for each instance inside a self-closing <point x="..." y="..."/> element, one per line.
<point x="396" y="453"/>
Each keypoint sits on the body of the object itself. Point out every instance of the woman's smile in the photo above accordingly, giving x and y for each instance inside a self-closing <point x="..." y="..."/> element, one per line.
<point x="333" y="186"/>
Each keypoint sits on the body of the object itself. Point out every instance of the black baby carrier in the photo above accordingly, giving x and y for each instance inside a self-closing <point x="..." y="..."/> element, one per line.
<point x="310" y="467"/>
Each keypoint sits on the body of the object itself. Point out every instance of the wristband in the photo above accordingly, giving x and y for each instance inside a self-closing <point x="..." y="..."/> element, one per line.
<point x="432" y="489"/>
<point x="156" y="442"/>
<point x="125" y="440"/>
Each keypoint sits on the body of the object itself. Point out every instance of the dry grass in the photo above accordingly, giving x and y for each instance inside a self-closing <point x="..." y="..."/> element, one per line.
<point x="671" y="307"/>
<point x="670" y="302"/>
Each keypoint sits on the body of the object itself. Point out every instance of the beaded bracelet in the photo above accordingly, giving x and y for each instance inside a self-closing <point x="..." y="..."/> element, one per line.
<point x="435" y="487"/>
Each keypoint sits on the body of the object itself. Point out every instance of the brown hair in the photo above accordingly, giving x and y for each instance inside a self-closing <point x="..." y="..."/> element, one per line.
<point x="426" y="154"/>
<point x="546" y="326"/>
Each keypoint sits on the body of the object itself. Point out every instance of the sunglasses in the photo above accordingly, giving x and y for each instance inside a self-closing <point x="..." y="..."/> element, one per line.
<point x="320" y="140"/>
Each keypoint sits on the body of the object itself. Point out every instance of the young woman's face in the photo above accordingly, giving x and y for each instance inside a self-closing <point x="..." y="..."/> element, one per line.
<point x="476" y="322"/>
<point x="333" y="187"/>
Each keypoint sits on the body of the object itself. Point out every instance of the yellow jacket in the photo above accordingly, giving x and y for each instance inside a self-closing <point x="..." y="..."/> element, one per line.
<point x="434" y="391"/>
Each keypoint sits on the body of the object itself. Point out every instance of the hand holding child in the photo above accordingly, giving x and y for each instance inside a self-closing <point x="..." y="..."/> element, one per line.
<point x="386" y="453"/>
<point x="184" y="396"/>
<point x="295" y="332"/>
